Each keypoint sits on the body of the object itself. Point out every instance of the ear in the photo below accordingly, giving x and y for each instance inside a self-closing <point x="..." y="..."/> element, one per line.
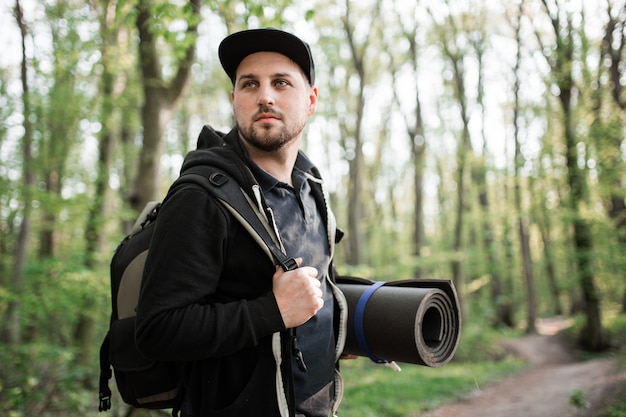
<point x="313" y="100"/>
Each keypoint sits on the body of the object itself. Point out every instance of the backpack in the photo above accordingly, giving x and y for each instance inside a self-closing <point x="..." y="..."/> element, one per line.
<point x="141" y="382"/>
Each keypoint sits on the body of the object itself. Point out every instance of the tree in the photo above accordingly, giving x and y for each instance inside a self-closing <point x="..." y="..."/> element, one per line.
<point x="358" y="51"/>
<point x="12" y="329"/>
<point x="113" y="81"/>
<point x="454" y="53"/>
<point x="609" y="115"/>
<point x="161" y="96"/>
<point x="478" y="39"/>
<point x="522" y="218"/>
<point x="59" y="124"/>
<point x="415" y="130"/>
<point x="561" y="60"/>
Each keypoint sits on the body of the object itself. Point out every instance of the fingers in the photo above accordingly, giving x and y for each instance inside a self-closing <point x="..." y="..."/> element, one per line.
<point x="298" y="294"/>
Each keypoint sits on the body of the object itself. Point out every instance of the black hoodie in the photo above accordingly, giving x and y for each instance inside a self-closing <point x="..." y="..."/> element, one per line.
<point x="207" y="295"/>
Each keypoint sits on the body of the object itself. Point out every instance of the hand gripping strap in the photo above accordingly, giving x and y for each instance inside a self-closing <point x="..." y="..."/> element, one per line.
<point x="359" y="312"/>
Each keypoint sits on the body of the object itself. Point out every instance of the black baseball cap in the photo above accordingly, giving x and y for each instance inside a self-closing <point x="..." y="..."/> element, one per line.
<point x="235" y="47"/>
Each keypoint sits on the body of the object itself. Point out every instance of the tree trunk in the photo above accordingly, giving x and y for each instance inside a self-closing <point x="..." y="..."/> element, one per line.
<point x="592" y="336"/>
<point x="12" y="331"/>
<point x="355" y="206"/>
<point x="479" y="176"/>
<point x="453" y="52"/>
<point x="160" y="100"/>
<point x="110" y="35"/>
<point x="522" y="218"/>
<point x="614" y="169"/>
<point x="419" y="165"/>
<point x="417" y="142"/>
<point x="354" y="252"/>
<point x="417" y="137"/>
<point x="507" y="307"/>
<point x="463" y="149"/>
<point x="550" y="271"/>
<point x="529" y="280"/>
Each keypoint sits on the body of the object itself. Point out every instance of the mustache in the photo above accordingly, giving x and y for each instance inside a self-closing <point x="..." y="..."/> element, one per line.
<point x="265" y="110"/>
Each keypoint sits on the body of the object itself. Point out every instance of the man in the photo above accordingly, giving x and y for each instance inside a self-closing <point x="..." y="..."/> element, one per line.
<point x="256" y="340"/>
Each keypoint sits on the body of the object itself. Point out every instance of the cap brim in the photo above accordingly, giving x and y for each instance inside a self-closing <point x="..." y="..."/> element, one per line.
<point x="234" y="48"/>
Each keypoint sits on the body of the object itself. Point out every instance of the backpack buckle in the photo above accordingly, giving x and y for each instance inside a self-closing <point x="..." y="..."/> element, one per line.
<point x="218" y="179"/>
<point x="289" y="264"/>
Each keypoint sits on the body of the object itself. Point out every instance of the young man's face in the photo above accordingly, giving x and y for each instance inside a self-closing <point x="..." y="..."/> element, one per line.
<point x="272" y="100"/>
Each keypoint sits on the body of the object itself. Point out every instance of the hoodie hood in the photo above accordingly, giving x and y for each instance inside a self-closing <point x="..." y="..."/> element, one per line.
<point x="223" y="151"/>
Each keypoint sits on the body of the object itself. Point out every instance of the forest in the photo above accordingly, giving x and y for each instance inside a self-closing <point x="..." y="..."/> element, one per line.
<point x="478" y="141"/>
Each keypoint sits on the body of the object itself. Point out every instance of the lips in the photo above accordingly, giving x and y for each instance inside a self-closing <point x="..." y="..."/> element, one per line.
<point x="266" y="117"/>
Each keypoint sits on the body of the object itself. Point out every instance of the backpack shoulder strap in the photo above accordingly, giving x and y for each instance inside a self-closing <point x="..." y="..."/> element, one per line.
<point x="228" y="192"/>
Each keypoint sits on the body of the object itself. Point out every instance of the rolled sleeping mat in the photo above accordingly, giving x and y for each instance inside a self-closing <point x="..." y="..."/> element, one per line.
<point x="414" y="321"/>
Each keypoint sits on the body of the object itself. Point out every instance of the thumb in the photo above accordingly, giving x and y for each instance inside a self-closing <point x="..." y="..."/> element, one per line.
<point x="279" y="268"/>
<point x="298" y="262"/>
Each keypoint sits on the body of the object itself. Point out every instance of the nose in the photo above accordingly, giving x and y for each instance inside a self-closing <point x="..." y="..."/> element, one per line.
<point x="266" y="96"/>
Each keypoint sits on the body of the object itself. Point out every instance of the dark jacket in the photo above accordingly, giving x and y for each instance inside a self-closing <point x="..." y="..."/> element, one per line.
<point x="207" y="295"/>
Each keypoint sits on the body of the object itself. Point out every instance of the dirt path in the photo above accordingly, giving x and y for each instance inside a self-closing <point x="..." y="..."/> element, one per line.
<point x="546" y="388"/>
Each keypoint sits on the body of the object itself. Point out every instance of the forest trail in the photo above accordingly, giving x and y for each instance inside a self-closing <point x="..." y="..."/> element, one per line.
<point x="545" y="389"/>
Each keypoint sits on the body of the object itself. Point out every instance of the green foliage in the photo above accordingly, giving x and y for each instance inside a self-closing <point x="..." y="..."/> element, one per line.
<point x="243" y="14"/>
<point x="56" y="294"/>
<point x="616" y="327"/>
<point x="42" y="379"/>
<point x="49" y="371"/>
<point x="172" y="22"/>
<point x="44" y="302"/>
<point x="578" y="399"/>
<point x="616" y="410"/>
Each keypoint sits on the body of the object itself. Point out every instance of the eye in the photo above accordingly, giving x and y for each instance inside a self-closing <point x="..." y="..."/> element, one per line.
<point x="281" y="83"/>
<point x="249" y="84"/>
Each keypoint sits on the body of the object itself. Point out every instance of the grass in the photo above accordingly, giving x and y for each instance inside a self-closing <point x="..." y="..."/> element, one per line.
<point x="616" y="410"/>
<point x="373" y="390"/>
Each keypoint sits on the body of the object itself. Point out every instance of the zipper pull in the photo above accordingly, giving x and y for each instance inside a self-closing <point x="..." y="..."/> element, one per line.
<point x="297" y="354"/>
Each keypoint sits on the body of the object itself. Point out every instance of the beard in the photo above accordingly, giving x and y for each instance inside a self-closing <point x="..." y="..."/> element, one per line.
<point x="270" y="138"/>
